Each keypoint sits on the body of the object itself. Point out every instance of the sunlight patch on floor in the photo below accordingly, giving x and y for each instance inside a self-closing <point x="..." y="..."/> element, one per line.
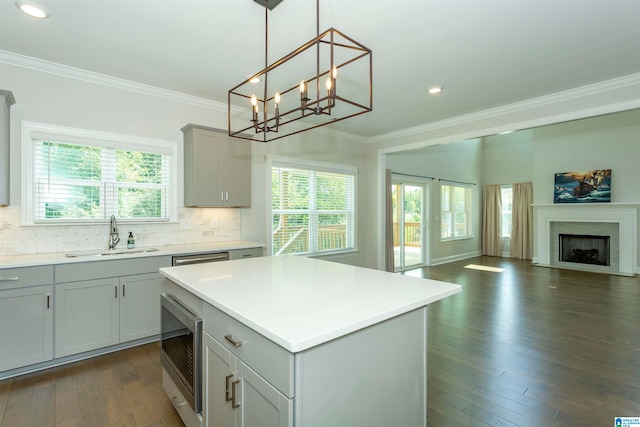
<point x="484" y="268"/>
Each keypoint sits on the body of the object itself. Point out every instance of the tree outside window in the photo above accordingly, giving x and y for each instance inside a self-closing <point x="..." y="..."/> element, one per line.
<point x="456" y="211"/>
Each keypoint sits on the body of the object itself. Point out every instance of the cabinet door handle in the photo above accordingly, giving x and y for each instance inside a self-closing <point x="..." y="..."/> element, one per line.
<point x="222" y="195"/>
<point x="226" y="195"/>
<point x="9" y="279"/>
<point x="235" y="343"/>
<point x="123" y="287"/>
<point x="48" y="301"/>
<point x="115" y="288"/>
<point x="227" y="388"/>
<point x="234" y="402"/>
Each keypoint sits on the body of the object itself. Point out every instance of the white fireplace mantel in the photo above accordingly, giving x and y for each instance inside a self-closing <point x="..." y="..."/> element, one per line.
<point x="623" y="214"/>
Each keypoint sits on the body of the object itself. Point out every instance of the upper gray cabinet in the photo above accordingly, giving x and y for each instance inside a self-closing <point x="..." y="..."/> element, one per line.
<point x="217" y="168"/>
<point x="6" y="100"/>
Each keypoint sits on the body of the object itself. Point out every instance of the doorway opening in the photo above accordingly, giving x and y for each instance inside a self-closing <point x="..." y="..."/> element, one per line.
<point x="410" y="231"/>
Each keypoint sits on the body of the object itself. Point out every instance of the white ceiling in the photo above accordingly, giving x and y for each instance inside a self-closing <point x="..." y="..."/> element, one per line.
<point x="486" y="53"/>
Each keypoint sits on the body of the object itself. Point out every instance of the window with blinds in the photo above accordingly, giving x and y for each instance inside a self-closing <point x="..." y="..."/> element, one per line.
<point x="312" y="208"/>
<point x="75" y="182"/>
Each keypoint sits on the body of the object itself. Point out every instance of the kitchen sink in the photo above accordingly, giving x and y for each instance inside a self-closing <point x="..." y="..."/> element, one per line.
<point x="107" y="252"/>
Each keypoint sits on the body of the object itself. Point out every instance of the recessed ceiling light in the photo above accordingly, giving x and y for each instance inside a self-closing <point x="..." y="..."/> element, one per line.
<point x="33" y="9"/>
<point x="255" y="80"/>
<point x="435" y="90"/>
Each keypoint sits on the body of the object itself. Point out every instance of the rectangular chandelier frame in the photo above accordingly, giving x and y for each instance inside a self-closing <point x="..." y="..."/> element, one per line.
<point x="267" y="123"/>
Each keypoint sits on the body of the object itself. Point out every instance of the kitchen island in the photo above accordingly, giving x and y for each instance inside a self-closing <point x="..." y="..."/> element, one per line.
<point x="295" y="341"/>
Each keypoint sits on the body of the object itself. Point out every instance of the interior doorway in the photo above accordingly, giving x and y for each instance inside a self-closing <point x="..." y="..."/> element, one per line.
<point x="410" y="231"/>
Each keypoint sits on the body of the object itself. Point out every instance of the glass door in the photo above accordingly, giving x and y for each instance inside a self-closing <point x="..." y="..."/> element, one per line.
<point x="409" y="229"/>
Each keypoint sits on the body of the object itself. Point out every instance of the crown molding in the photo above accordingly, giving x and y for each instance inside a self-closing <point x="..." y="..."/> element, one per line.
<point x="543" y="101"/>
<point x="128" y="85"/>
<point x="105" y="80"/>
<point x="533" y="103"/>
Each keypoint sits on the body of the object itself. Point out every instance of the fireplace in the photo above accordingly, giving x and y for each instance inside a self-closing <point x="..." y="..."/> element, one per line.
<point x="584" y="249"/>
<point x="619" y="221"/>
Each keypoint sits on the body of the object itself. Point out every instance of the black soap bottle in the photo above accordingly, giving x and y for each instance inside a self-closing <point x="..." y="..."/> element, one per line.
<point x="130" y="241"/>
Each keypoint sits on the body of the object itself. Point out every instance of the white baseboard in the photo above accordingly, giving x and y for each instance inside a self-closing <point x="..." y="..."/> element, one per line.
<point x="457" y="257"/>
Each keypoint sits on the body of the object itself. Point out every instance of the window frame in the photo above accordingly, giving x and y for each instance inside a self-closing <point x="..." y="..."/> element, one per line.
<point x="469" y="210"/>
<point x="273" y="161"/>
<point x="503" y="211"/>
<point x="32" y="131"/>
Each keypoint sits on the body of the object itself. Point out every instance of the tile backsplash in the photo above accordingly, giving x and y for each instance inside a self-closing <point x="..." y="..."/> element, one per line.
<point x="195" y="225"/>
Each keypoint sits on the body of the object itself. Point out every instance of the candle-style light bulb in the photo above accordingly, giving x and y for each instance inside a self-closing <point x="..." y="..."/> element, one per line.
<point x="254" y="100"/>
<point x="276" y="98"/>
<point x="328" y="84"/>
<point x="302" y="87"/>
<point x="334" y="72"/>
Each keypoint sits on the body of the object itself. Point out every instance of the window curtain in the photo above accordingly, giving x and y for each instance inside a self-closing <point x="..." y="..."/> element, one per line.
<point x="492" y="221"/>
<point x="388" y="256"/>
<point x="522" y="221"/>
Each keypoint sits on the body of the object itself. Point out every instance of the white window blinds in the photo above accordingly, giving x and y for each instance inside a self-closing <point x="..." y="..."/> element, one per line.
<point x="75" y="182"/>
<point x="313" y="209"/>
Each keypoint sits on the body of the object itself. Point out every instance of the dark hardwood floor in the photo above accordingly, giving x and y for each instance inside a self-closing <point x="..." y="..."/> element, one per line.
<point x="117" y="389"/>
<point x="530" y="346"/>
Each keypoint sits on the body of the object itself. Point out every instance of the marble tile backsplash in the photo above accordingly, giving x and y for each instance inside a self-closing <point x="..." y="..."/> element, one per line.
<point x="194" y="225"/>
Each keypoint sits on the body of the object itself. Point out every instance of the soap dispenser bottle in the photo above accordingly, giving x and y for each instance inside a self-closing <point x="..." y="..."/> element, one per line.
<point x="130" y="241"/>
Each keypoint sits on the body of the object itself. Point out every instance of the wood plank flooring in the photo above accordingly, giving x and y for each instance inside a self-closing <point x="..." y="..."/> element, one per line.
<point x="117" y="389"/>
<point x="527" y="347"/>
<point x="532" y="346"/>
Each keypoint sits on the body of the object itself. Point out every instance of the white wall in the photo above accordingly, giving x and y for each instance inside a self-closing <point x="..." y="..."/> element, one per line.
<point x="606" y="142"/>
<point x="47" y="97"/>
<point x="460" y="161"/>
<point x="508" y="159"/>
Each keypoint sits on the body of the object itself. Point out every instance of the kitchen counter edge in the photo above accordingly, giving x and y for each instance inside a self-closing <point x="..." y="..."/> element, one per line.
<point x="33" y="260"/>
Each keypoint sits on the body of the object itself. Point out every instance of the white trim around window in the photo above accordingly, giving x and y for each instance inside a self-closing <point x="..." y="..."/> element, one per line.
<point x="32" y="132"/>
<point x="312" y="212"/>
<point x="456" y="223"/>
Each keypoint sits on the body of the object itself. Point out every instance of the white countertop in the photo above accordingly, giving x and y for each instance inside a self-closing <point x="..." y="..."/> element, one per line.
<point x="32" y="260"/>
<point x="300" y="302"/>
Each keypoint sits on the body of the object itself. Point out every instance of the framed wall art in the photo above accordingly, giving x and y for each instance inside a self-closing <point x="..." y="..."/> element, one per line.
<point x="592" y="186"/>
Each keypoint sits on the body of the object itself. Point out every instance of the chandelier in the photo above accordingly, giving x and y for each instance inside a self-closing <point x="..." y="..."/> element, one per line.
<point x="327" y="79"/>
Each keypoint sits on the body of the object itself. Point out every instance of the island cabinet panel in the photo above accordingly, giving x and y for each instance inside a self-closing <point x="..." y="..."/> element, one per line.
<point x="236" y="396"/>
<point x="26" y="326"/>
<point x="374" y="377"/>
<point x="219" y="375"/>
<point x="261" y="354"/>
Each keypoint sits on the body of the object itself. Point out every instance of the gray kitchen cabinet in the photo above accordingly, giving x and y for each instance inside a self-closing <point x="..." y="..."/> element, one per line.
<point x="245" y="253"/>
<point x="235" y="395"/>
<point x="6" y="100"/>
<point x="217" y="168"/>
<point x="26" y="316"/>
<point x="94" y="310"/>
<point x="87" y="315"/>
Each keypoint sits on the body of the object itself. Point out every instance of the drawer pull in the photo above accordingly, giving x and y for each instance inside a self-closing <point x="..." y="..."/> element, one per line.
<point x="227" y="388"/>
<point x="9" y="279"/>
<point x="235" y="343"/>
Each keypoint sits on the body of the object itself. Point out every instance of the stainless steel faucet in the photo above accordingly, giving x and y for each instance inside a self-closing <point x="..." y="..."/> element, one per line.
<point x="113" y="233"/>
